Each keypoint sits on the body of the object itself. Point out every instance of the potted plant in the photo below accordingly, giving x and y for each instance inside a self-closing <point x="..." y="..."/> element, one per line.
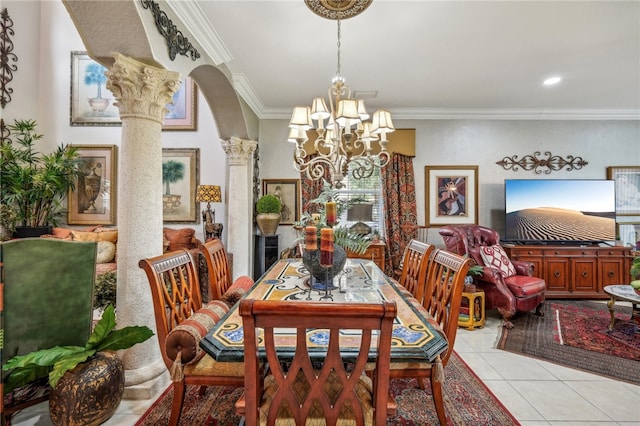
<point x="268" y="218"/>
<point x="87" y="382"/>
<point x="635" y="273"/>
<point x="33" y="184"/>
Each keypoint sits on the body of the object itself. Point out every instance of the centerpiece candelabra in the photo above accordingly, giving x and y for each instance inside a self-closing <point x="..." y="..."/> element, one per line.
<point x="327" y="261"/>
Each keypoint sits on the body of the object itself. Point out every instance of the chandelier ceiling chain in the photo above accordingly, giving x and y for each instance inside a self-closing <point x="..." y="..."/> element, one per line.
<point x="346" y="141"/>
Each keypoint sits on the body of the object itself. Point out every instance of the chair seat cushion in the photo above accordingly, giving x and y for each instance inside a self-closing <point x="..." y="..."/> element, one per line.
<point x="524" y="285"/>
<point x="495" y="257"/>
<point x="207" y="366"/>
<point x="186" y="336"/>
<point x="364" y="391"/>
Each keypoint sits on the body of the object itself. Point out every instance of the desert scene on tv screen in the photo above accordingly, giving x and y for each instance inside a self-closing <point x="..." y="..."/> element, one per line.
<point x="555" y="224"/>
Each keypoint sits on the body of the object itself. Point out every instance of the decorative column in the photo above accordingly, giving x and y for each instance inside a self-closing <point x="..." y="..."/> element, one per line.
<point x="240" y="214"/>
<point x="142" y="93"/>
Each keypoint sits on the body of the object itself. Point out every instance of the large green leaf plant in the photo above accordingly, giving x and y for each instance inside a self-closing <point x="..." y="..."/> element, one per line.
<point x="56" y="361"/>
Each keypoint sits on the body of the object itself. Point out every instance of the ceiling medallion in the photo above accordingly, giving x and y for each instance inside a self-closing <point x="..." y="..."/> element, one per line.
<point x="338" y="9"/>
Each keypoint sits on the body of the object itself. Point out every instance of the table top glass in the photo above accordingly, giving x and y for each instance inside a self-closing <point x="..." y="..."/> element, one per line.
<point x="623" y="291"/>
<point x="414" y="337"/>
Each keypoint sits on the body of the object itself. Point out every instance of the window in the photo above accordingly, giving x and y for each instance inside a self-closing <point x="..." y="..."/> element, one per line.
<point x="370" y="189"/>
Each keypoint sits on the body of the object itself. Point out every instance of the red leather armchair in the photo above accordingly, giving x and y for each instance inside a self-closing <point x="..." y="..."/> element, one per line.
<point x="520" y="292"/>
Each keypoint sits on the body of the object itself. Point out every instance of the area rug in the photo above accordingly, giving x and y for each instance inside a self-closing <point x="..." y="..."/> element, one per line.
<point x="467" y="401"/>
<point x="574" y="333"/>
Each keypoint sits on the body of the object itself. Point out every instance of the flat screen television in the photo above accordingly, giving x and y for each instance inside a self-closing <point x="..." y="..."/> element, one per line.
<point x="560" y="211"/>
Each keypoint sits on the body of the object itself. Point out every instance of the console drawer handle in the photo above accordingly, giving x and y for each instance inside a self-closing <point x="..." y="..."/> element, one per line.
<point x="611" y="274"/>
<point x="556" y="274"/>
<point x="585" y="274"/>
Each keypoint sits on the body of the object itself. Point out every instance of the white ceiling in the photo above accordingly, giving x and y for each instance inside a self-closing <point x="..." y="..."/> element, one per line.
<point x="439" y="59"/>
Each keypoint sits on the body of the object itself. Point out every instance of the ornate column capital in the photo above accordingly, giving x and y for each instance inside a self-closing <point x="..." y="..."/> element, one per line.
<point x="238" y="150"/>
<point x="141" y="90"/>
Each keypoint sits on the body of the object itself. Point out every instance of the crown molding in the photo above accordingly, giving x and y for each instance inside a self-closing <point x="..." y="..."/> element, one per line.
<point x="201" y="30"/>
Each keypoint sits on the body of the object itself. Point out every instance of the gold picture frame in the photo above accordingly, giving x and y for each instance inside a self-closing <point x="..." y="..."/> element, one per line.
<point x="451" y="195"/>
<point x="288" y="191"/>
<point x="180" y="178"/>
<point x="94" y="201"/>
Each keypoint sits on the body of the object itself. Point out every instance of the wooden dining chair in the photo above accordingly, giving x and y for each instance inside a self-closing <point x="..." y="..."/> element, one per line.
<point x="442" y="297"/>
<point x="301" y="387"/>
<point x="220" y="277"/>
<point x="181" y="321"/>
<point x="414" y="267"/>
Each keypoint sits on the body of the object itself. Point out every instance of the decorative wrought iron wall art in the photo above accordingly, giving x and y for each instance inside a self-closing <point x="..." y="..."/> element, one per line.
<point x="6" y="57"/>
<point x="542" y="165"/>
<point x="176" y="41"/>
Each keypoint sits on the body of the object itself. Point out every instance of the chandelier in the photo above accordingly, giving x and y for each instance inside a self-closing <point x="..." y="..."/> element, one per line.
<point x="346" y="139"/>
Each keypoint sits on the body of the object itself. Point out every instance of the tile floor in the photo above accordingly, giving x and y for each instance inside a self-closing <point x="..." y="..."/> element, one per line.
<point x="535" y="392"/>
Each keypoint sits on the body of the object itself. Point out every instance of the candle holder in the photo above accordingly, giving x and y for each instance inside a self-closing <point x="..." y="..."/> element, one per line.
<point x="311" y="260"/>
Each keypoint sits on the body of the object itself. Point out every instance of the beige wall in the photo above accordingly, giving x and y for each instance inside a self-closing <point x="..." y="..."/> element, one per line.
<point x="483" y="143"/>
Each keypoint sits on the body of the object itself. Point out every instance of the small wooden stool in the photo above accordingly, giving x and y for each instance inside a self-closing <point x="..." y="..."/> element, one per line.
<point x="472" y="310"/>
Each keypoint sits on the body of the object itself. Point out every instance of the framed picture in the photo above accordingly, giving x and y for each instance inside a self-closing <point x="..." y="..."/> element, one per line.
<point x="183" y="113"/>
<point x="92" y="104"/>
<point x="288" y="191"/>
<point x="180" y="177"/>
<point x="91" y="101"/>
<point x="93" y="202"/>
<point x="627" y="180"/>
<point x="629" y="234"/>
<point x="451" y="195"/>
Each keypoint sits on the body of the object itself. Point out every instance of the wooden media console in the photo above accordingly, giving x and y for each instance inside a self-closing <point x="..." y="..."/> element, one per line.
<point x="574" y="271"/>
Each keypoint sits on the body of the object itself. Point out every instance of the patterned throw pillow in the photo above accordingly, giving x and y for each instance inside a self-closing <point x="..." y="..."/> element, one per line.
<point x="106" y="252"/>
<point x="495" y="257"/>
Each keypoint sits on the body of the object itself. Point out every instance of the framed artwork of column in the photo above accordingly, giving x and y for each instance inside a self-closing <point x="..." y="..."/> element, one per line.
<point x="180" y="177"/>
<point x="94" y="201"/>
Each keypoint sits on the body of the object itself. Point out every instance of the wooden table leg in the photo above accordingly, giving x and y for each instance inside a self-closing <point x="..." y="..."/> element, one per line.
<point x="610" y="304"/>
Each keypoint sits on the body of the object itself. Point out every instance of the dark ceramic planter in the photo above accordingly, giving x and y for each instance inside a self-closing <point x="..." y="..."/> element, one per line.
<point x="311" y="260"/>
<point x="90" y="393"/>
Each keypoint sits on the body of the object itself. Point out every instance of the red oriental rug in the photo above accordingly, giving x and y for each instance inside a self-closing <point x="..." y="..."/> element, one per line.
<point x="574" y="333"/>
<point x="467" y="401"/>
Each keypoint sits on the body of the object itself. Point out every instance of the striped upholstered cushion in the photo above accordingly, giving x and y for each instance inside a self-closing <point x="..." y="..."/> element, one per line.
<point x="187" y="335"/>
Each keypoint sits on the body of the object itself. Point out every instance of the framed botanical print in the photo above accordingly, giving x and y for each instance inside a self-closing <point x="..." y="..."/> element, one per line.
<point x="93" y="201"/>
<point x="627" y="180"/>
<point x="451" y="195"/>
<point x="180" y="177"/>
<point x="288" y="191"/>
<point x="92" y="104"/>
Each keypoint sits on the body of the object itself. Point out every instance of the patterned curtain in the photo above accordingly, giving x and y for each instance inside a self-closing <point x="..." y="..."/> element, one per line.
<point x="399" y="192"/>
<point x="310" y="189"/>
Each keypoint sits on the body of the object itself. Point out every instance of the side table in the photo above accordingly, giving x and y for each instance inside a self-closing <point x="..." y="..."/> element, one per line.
<point x="627" y="294"/>
<point x="472" y="310"/>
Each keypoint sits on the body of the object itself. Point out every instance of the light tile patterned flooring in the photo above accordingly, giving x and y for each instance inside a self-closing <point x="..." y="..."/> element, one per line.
<point x="535" y="392"/>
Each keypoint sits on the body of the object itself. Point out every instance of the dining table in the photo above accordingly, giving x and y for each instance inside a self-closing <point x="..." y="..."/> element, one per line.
<point x="416" y="337"/>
